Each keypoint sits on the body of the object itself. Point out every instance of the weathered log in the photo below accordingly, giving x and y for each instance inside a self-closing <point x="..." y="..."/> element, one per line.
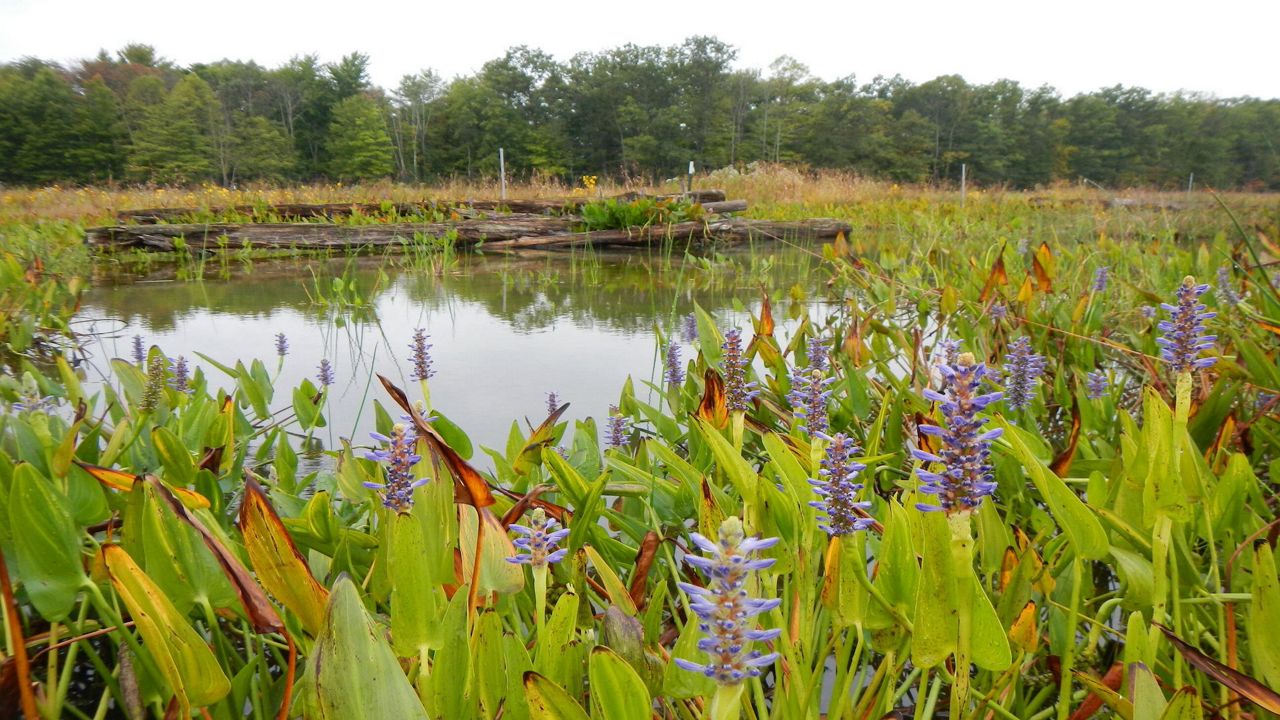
<point x="734" y="230"/>
<point x="716" y="208"/>
<point x="316" y="236"/>
<point x="151" y="216"/>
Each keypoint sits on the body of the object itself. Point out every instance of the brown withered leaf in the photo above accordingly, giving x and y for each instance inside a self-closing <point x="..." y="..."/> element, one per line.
<point x="212" y="459"/>
<point x="644" y="562"/>
<point x="530" y="499"/>
<point x="1062" y="463"/>
<point x="1244" y="685"/>
<point x="469" y="486"/>
<point x="1224" y="437"/>
<point x="262" y="615"/>
<point x="275" y="557"/>
<point x="713" y="408"/>
<point x="124" y="482"/>
<point x="996" y="277"/>
<point x="1268" y="326"/>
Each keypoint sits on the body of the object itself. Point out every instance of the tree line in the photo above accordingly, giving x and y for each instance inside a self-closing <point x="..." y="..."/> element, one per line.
<point x="632" y="111"/>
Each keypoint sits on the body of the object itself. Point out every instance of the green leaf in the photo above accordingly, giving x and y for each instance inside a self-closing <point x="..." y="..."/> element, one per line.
<point x="179" y="468"/>
<point x="308" y="413"/>
<point x="989" y="644"/>
<point x="935" y="626"/>
<point x="617" y="692"/>
<point x="445" y="689"/>
<point x="1080" y="524"/>
<point x="453" y="435"/>
<point x="618" y="594"/>
<point x="46" y="544"/>
<point x="731" y="462"/>
<point x="548" y="701"/>
<point x="1264" y="616"/>
<point x="1148" y="701"/>
<point x="356" y="673"/>
<point x="416" y="602"/>
<point x="1185" y="705"/>
<point x="559" y="632"/>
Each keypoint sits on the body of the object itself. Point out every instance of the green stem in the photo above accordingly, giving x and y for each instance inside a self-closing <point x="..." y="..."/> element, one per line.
<point x="1068" y="656"/>
<point x="539" y="601"/>
<point x="962" y="569"/>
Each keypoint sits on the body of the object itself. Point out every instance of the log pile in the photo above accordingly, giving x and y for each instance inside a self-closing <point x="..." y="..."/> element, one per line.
<point x="531" y="228"/>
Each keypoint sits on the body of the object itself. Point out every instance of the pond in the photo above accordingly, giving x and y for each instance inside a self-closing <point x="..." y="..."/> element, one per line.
<point x="505" y="330"/>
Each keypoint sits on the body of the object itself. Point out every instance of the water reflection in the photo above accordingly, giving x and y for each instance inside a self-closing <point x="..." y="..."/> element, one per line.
<point x="506" y="330"/>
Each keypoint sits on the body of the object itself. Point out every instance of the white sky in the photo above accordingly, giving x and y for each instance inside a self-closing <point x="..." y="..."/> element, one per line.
<point x="1224" y="47"/>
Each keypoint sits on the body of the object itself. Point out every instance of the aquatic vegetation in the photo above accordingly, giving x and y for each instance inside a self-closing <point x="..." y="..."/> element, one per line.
<point x="1101" y="277"/>
<point x="923" y="556"/>
<point x="421" y="355"/>
<point x="673" y="372"/>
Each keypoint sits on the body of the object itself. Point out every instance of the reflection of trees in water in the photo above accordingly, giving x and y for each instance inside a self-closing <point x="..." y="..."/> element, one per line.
<point x="624" y="294"/>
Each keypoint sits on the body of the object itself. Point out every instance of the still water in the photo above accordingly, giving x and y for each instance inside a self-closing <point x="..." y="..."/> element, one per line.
<point x="505" y="330"/>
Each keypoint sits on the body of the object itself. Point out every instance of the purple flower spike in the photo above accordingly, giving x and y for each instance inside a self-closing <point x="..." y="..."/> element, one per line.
<point x="553" y="403"/>
<point x="675" y="369"/>
<point x="837" y="489"/>
<point x="1096" y="384"/>
<point x="1100" y="278"/>
<point x="325" y="373"/>
<point x="139" y="351"/>
<point x="966" y="474"/>
<point x="399" y="457"/>
<point x="997" y="311"/>
<point x="1022" y="368"/>
<point x="421" y="355"/>
<point x="1184" y="337"/>
<point x="1148" y="311"/>
<point x="539" y="543"/>
<point x="810" y="390"/>
<point x="689" y="329"/>
<point x="1226" y="294"/>
<point x="181" y="380"/>
<point x="619" y="427"/>
<point x="737" y="391"/>
<point x="282" y="345"/>
<point x="724" y="609"/>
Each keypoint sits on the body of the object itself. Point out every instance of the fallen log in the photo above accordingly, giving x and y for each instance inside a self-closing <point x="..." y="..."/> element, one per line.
<point x="300" y="211"/>
<point x="735" y="230"/>
<point x="316" y="236"/>
<point x="716" y="208"/>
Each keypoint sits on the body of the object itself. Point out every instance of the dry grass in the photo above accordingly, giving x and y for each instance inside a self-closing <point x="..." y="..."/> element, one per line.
<point x="771" y="189"/>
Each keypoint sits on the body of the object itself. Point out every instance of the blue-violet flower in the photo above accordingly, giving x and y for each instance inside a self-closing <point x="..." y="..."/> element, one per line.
<point x="966" y="475"/>
<point x="1184" y="336"/>
<point x="1022" y="368"/>
<point x="539" y="541"/>
<point x="399" y="456"/>
<point x="837" y="488"/>
<point x="724" y="609"/>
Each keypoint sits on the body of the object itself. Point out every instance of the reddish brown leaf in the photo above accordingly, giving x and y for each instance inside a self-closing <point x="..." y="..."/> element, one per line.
<point x="262" y="614"/>
<point x="21" y="669"/>
<point x="530" y="499"/>
<point x="1093" y="703"/>
<point x="1268" y="326"/>
<point x="765" y="325"/>
<point x="469" y="486"/>
<point x="713" y="408"/>
<point x="212" y="459"/>
<point x="997" y="276"/>
<point x="1244" y="685"/>
<point x="1062" y="463"/>
<point x="644" y="561"/>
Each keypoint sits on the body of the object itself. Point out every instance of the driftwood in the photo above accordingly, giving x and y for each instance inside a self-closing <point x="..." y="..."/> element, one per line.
<point x="724" y="230"/>
<point x="152" y="216"/>
<point x="316" y="236"/>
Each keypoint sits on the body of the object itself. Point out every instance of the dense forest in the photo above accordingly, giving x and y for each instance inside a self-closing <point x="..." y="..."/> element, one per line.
<point x="633" y="111"/>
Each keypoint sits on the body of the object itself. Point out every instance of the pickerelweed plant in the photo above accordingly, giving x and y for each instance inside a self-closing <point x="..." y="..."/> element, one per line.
<point x="726" y="614"/>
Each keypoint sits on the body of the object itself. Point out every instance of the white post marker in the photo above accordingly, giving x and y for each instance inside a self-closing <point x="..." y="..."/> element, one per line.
<point x="688" y="185"/>
<point x="502" y="170"/>
<point x="964" y="170"/>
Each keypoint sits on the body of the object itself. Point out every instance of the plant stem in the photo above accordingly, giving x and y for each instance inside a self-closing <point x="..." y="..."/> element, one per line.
<point x="962" y="570"/>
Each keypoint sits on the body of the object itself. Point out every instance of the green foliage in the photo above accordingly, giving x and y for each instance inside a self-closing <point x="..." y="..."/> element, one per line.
<point x="176" y="141"/>
<point x="358" y="145"/>
<point x="614" y="214"/>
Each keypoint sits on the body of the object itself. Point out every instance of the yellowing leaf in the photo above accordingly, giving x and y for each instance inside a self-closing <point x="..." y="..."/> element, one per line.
<point x="279" y="566"/>
<point x="187" y="663"/>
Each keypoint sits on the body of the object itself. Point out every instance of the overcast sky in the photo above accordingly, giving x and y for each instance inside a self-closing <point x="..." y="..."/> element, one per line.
<point x="1223" y="47"/>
